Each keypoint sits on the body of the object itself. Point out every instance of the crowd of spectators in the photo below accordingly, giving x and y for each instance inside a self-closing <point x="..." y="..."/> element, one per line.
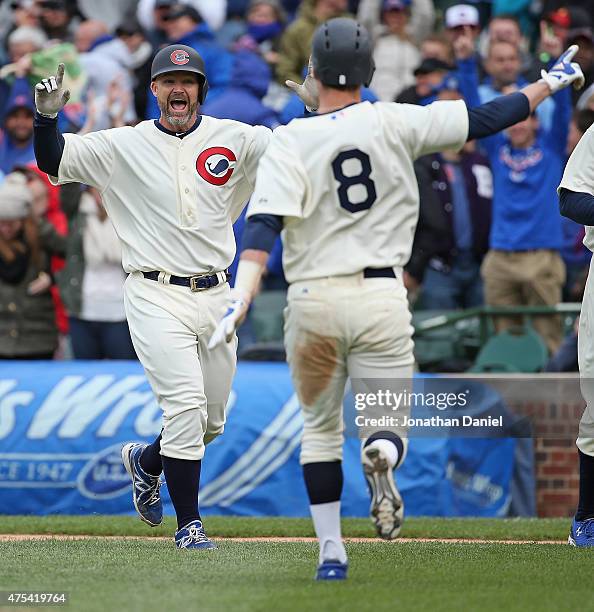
<point x="489" y="229"/>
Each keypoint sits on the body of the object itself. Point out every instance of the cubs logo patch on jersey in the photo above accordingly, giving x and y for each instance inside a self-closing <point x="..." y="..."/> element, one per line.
<point x="216" y="164"/>
<point x="179" y="57"/>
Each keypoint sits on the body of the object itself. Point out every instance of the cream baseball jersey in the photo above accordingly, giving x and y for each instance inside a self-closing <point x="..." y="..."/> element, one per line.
<point x="579" y="174"/>
<point x="345" y="184"/>
<point x="172" y="200"/>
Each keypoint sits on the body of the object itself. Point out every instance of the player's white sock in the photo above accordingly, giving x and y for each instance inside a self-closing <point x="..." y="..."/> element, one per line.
<point x="387" y="448"/>
<point x="326" y="520"/>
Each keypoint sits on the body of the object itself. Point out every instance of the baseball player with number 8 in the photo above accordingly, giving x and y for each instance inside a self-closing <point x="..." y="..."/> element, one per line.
<point x="341" y="188"/>
<point x="173" y="189"/>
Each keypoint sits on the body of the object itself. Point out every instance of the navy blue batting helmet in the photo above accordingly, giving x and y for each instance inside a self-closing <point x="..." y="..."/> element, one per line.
<point x="342" y="53"/>
<point x="177" y="58"/>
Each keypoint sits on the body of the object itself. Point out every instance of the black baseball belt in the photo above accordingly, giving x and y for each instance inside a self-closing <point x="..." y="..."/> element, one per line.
<point x="200" y="282"/>
<point x="379" y="273"/>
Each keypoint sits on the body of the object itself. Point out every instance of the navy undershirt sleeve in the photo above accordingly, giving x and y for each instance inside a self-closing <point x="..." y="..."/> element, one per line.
<point x="494" y="116"/>
<point x="577" y="206"/>
<point x="261" y="232"/>
<point x="48" y="143"/>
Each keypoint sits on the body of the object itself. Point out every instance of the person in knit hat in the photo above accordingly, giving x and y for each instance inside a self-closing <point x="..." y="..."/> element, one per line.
<point x="27" y="314"/>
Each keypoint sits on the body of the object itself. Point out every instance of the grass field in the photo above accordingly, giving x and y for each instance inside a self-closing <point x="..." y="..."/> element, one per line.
<point x="149" y="574"/>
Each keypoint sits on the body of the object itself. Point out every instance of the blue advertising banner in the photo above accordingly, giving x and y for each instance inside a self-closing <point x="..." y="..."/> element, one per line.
<point x="62" y="425"/>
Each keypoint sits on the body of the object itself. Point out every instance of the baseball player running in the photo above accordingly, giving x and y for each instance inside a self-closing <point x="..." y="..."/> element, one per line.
<point x="577" y="202"/>
<point x="172" y="188"/>
<point x="341" y="188"/>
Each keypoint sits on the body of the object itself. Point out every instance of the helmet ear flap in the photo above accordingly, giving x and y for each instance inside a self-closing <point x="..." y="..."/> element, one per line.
<point x="371" y="73"/>
<point x="203" y="90"/>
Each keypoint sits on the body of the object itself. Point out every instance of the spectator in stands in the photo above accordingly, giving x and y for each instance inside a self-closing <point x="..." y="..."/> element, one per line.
<point x="390" y="76"/>
<point x="506" y="28"/>
<point x="462" y="19"/>
<point x="25" y="40"/>
<point x="418" y="27"/>
<point x="264" y="25"/>
<point x="523" y="266"/>
<point x="452" y="234"/>
<point x="24" y="13"/>
<point x="16" y="139"/>
<point x="139" y="61"/>
<point x="296" y="40"/>
<point x="522" y="11"/>
<point x="242" y="100"/>
<point x="56" y="20"/>
<point x="437" y="46"/>
<point x="46" y="206"/>
<point x="105" y="60"/>
<point x="112" y="13"/>
<point x="27" y="318"/>
<point x="92" y="283"/>
<point x="213" y="12"/>
<point x="151" y="15"/>
<point x="184" y="25"/>
<point x="430" y="76"/>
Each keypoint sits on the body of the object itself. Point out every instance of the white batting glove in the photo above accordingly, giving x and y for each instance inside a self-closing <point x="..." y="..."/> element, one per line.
<point x="564" y="72"/>
<point x="308" y="90"/>
<point x="237" y="307"/>
<point x="50" y="98"/>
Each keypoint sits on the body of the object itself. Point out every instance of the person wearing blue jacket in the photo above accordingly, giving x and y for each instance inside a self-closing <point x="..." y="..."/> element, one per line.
<point x="184" y="26"/>
<point x="524" y="265"/>
<point x="242" y="100"/>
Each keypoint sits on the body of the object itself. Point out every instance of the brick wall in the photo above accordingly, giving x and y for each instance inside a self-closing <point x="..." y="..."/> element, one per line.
<point x="557" y="475"/>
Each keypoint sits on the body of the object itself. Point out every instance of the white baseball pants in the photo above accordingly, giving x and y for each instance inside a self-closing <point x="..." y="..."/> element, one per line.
<point x="170" y="328"/>
<point x="342" y="327"/>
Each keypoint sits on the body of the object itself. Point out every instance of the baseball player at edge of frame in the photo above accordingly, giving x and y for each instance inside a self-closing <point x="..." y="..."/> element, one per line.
<point x="341" y="188"/>
<point x="172" y="188"/>
<point x="576" y="192"/>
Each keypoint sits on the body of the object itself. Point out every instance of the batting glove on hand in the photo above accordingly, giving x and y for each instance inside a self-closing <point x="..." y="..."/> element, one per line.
<point x="50" y="98"/>
<point x="308" y="90"/>
<point x="239" y="302"/>
<point x="564" y="72"/>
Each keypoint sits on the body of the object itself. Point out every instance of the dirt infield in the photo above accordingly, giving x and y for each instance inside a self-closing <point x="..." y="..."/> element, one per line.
<point x="12" y="537"/>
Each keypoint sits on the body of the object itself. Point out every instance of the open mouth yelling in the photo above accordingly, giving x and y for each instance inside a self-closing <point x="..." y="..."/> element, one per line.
<point x="178" y="105"/>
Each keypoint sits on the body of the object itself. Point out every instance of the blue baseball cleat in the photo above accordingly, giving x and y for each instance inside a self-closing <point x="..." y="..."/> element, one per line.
<point x="145" y="488"/>
<point x="193" y="536"/>
<point x="581" y="533"/>
<point x="332" y="569"/>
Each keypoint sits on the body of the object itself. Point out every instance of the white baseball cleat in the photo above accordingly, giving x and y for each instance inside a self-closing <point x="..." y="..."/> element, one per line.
<point x="387" y="508"/>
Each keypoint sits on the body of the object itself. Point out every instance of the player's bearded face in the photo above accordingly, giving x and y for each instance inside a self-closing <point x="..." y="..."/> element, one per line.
<point x="178" y="99"/>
